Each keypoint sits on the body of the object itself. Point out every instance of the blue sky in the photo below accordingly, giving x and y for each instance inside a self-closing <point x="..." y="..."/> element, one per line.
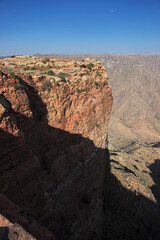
<point x="78" y="27"/>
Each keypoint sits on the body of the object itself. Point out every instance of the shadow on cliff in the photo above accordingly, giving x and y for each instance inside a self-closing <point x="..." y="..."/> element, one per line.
<point x="126" y="215"/>
<point x="4" y="233"/>
<point x="58" y="152"/>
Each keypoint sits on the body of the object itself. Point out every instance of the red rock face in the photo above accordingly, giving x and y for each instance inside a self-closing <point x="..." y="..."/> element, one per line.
<point x="52" y="150"/>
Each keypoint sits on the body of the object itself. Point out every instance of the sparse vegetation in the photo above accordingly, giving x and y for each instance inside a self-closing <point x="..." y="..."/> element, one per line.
<point x="94" y="110"/>
<point x="49" y="66"/>
<point x="51" y="73"/>
<point x="33" y="68"/>
<point x="43" y="73"/>
<point x="97" y="125"/>
<point x="96" y="84"/>
<point x="90" y="66"/>
<point x="99" y="74"/>
<point x="47" y="85"/>
<point x="26" y="68"/>
<point x="45" y="60"/>
<point x="78" y="90"/>
<point x="88" y="73"/>
<point x="63" y="76"/>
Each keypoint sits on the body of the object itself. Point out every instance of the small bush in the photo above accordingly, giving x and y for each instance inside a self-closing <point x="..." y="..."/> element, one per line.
<point x="49" y="66"/>
<point x="99" y="75"/>
<point x="33" y="68"/>
<point x="61" y="74"/>
<point x="45" y="60"/>
<point x="88" y="73"/>
<point x="94" y="110"/>
<point x="26" y="68"/>
<point x="43" y="73"/>
<point x="47" y="85"/>
<point x="96" y="84"/>
<point x="13" y="56"/>
<point x="97" y="125"/>
<point x="78" y="90"/>
<point x="90" y="66"/>
<point x="51" y="73"/>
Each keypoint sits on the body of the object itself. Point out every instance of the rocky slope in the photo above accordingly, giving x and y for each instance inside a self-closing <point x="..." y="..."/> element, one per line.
<point x="132" y="206"/>
<point x="53" y="134"/>
<point x="135" y="81"/>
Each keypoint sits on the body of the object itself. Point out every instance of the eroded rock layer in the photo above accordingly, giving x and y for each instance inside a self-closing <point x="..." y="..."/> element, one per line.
<point x="53" y="134"/>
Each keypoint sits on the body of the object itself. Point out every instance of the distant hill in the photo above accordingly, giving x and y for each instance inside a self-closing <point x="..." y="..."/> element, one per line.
<point x="135" y="81"/>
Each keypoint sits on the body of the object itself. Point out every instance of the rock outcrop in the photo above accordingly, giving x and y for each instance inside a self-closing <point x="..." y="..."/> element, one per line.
<point x="53" y="136"/>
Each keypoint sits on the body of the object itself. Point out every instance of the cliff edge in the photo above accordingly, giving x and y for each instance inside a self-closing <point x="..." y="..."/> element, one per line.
<point x="53" y="138"/>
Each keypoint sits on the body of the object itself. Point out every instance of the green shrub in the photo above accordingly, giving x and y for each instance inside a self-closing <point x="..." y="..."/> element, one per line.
<point x="90" y="66"/>
<point x="99" y="75"/>
<point x="61" y="74"/>
<point x="33" y="68"/>
<point x="26" y="68"/>
<point x="78" y="90"/>
<point x="96" y="84"/>
<point x="47" y="85"/>
<point x="45" y="60"/>
<point x="49" y="66"/>
<point x="43" y="73"/>
<point x="88" y="73"/>
<point x="97" y="125"/>
<point x="51" y="73"/>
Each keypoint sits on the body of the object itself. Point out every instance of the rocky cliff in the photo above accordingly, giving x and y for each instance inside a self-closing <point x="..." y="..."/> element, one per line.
<point x="53" y="137"/>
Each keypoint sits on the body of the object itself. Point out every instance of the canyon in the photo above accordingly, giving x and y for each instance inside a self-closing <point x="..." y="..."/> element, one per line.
<point x="59" y="117"/>
<point x="53" y="157"/>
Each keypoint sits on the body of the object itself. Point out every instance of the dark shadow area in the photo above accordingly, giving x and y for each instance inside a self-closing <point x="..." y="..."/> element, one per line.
<point x="129" y="215"/>
<point x="126" y="214"/>
<point x="155" y="174"/>
<point x="157" y="145"/>
<point x="4" y="231"/>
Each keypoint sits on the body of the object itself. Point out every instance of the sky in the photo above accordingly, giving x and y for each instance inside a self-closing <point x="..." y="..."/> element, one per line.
<point x="79" y="27"/>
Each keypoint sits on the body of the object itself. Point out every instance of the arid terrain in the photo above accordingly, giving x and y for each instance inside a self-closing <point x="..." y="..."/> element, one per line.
<point x="133" y="141"/>
<point x="53" y="134"/>
<point x="55" y="112"/>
